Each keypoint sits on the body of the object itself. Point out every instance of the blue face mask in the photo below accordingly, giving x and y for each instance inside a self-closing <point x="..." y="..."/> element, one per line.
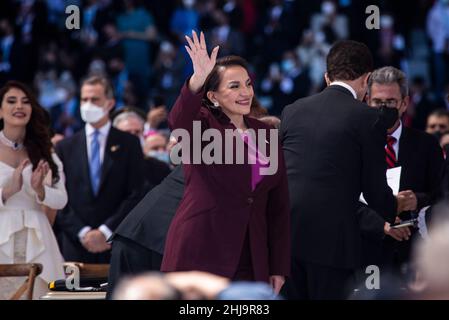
<point x="163" y="156"/>
<point x="287" y="65"/>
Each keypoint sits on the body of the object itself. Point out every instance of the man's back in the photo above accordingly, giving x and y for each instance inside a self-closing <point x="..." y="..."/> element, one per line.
<point x="333" y="149"/>
<point x="148" y="223"/>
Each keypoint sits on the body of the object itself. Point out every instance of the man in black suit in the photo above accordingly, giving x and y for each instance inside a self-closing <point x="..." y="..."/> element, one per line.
<point x="334" y="150"/>
<point x="104" y="176"/>
<point x="421" y="159"/>
<point x="138" y="242"/>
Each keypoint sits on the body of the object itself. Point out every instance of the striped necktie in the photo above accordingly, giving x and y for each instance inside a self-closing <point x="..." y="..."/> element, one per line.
<point x="390" y="154"/>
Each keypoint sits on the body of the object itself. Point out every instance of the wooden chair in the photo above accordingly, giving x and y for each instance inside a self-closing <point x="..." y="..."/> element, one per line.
<point x="29" y="270"/>
<point x="90" y="270"/>
<point x="93" y="273"/>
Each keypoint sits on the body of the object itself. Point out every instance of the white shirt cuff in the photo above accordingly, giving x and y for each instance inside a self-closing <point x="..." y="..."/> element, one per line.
<point x="83" y="232"/>
<point x="422" y="227"/>
<point x="105" y="231"/>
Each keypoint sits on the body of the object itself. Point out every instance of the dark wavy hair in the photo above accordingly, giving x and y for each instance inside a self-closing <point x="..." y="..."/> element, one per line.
<point x="214" y="78"/>
<point x="38" y="137"/>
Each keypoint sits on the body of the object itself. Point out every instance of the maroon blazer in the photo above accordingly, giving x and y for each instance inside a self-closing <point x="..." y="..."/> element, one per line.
<point x="219" y="207"/>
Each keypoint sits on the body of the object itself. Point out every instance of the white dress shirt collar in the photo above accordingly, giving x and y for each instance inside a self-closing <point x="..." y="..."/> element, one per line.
<point x="397" y="133"/>
<point x="344" y="85"/>
<point x="104" y="130"/>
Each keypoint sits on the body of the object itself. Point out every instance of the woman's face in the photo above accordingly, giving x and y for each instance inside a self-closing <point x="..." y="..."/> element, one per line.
<point x="15" y="108"/>
<point x="235" y="92"/>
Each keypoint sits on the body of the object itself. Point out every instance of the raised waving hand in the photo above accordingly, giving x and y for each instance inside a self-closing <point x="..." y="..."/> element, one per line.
<point x="202" y="62"/>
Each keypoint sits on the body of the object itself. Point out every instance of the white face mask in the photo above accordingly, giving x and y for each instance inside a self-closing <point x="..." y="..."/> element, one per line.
<point x="91" y="113"/>
<point x="160" y="155"/>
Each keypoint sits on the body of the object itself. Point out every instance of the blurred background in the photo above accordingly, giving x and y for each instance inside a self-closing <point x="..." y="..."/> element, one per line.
<point x="140" y="46"/>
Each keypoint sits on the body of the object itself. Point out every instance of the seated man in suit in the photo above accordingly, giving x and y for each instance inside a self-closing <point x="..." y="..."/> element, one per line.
<point x="103" y="167"/>
<point x="421" y="159"/>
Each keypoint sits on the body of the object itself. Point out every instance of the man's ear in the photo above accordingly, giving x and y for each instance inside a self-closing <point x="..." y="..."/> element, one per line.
<point x="405" y="103"/>
<point x="326" y="78"/>
<point x="367" y="78"/>
<point x="110" y="104"/>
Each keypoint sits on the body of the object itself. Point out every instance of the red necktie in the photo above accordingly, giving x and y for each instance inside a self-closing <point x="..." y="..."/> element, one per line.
<point x="390" y="155"/>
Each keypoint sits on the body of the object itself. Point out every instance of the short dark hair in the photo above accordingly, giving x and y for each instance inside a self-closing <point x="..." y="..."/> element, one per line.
<point x="93" y="80"/>
<point x="348" y="60"/>
<point x="439" y="113"/>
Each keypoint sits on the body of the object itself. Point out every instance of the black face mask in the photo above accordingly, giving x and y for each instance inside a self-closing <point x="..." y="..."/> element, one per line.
<point x="388" y="116"/>
<point x="438" y="134"/>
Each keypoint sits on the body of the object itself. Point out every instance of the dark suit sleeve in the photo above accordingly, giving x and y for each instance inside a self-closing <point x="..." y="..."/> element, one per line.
<point x="135" y="182"/>
<point x="67" y="220"/>
<point x="185" y="110"/>
<point x="374" y="182"/>
<point x="284" y="123"/>
<point x="370" y="222"/>
<point x="278" y="215"/>
<point x="435" y="163"/>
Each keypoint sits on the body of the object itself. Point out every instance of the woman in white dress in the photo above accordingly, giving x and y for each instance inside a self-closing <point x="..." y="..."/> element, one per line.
<point x="31" y="176"/>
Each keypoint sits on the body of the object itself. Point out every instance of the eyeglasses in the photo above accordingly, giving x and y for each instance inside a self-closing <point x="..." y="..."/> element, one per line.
<point x="389" y="103"/>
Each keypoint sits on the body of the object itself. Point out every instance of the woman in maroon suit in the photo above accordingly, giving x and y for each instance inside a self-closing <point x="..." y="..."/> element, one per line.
<point x="232" y="221"/>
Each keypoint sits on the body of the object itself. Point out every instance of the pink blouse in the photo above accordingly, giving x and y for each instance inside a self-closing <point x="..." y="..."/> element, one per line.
<point x="258" y="158"/>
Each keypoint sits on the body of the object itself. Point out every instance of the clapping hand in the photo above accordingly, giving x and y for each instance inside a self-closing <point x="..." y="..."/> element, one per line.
<point x="202" y="62"/>
<point x="16" y="182"/>
<point x="37" y="178"/>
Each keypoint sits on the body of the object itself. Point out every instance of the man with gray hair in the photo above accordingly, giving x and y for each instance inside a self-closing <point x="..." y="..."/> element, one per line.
<point x="421" y="159"/>
<point x="131" y="122"/>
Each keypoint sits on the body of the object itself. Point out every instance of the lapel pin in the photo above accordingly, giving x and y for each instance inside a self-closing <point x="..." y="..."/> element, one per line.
<point x="115" y="148"/>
